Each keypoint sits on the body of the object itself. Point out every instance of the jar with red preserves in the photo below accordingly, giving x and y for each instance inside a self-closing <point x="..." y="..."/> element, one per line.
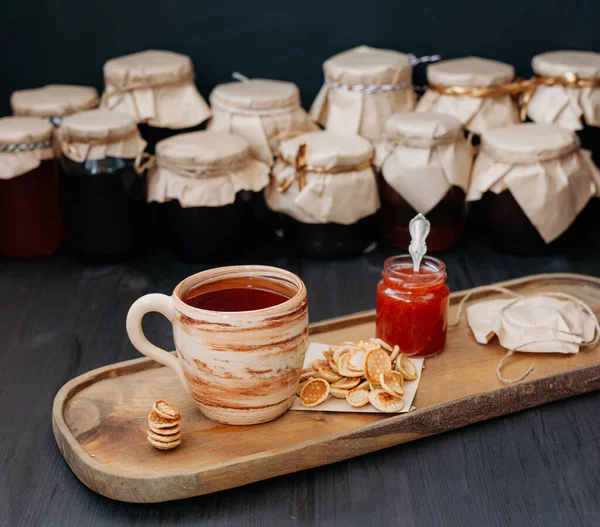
<point x="424" y="166"/>
<point x="30" y="222"/>
<point x="412" y="308"/>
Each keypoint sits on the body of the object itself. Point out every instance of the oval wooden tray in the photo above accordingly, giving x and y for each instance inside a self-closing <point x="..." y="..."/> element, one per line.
<point x="99" y="418"/>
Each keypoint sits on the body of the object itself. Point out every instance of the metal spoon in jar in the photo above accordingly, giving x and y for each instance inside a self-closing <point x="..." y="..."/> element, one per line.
<point x="418" y="228"/>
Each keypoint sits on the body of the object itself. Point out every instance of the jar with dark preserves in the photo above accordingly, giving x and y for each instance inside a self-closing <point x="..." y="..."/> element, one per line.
<point x="30" y="223"/>
<point x="363" y="87"/>
<point x="157" y="89"/>
<point x="325" y="190"/>
<point x="472" y="89"/>
<point x="568" y="94"/>
<point x="201" y="181"/>
<point x="424" y="166"/>
<point x="54" y="102"/>
<point x="103" y="196"/>
<point x="529" y="183"/>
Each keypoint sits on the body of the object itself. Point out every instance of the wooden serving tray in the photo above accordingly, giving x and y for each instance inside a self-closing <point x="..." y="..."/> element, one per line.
<point x="99" y="418"/>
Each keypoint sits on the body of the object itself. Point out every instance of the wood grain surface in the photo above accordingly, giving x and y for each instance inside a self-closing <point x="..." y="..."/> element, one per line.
<point x="100" y="418"/>
<point x="60" y="319"/>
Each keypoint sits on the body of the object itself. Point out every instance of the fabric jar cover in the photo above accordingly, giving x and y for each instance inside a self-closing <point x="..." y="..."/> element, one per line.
<point x="566" y="106"/>
<point x="543" y="167"/>
<point x="204" y="169"/>
<point x="24" y="143"/>
<point x="97" y="134"/>
<point x="477" y="114"/>
<point x="363" y="87"/>
<point x="341" y="187"/>
<point x="155" y="87"/>
<point x="54" y="101"/>
<point x="423" y="156"/>
<point x="261" y="111"/>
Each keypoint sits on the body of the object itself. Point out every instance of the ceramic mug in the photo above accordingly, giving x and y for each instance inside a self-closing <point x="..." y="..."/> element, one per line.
<point x="241" y="367"/>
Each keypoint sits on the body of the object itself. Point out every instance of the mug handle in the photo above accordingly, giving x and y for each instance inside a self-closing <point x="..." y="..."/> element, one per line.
<point x="162" y="304"/>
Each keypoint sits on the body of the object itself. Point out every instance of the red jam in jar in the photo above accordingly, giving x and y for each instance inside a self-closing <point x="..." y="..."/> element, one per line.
<point x="412" y="308"/>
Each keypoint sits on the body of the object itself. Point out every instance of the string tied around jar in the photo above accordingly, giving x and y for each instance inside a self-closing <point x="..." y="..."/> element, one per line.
<point x="569" y="80"/>
<point x="367" y="89"/>
<point x="147" y="161"/>
<point x="568" y="336"/>
<point x="447" y="138"/>
<point x="301" y="167"/>
<point x="114" y="96"/>
<point x="25" y="147"/>
<point x="372" y="89"/>
<point x="71" y="140"/>
<point x="523" y="89"/>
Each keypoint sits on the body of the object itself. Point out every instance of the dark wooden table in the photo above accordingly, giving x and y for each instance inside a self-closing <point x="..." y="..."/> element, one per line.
<point x="60" y="319"/>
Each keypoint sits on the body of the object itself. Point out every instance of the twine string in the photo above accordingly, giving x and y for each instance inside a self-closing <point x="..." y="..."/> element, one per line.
<point x="577" y="337"/>
<point x="25" y="147"/>
<point x="301" y="167"/>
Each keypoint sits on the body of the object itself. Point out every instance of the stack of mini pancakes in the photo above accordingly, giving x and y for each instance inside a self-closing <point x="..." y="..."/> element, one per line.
<point x="163" y="422"/>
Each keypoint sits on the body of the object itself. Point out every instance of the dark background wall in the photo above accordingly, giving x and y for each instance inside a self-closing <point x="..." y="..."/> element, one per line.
<point x="67" y="41"/>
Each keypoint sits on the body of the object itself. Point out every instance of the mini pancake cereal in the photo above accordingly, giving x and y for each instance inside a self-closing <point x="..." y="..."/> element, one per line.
<point x="376" y="363"/>
<point x="405" y="366"/>
<point x="314" y="392"/>
<point x="392" y="382"/>
<point x="163" y="426"/>
<point x="165" y="410"/>
<point x="364" y="372"/>
<point x="385" y="402"/>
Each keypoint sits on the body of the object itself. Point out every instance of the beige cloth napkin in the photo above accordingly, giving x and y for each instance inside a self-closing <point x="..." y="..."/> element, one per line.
<point x="550" y="322"/>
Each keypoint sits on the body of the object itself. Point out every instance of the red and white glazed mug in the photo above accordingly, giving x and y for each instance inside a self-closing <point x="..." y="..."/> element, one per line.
<point x="241" y="367"/>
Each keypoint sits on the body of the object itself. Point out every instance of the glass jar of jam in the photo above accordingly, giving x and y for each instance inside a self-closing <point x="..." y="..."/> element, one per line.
<point x="54" y="102"/>
<point x="424" y="166"/>
<point x="363" y="87"/>
<point x="30" y="221"/>
<point x="529" y="184"/>
<point x="476" y="113"/>
<point x="262" y="111"/>
<point x="103" y="196"/>
<point x="201" y="182"/>
<point x="325" y="191"/>
<point x="157" y="89"/>
<point x="412" y="308"/>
